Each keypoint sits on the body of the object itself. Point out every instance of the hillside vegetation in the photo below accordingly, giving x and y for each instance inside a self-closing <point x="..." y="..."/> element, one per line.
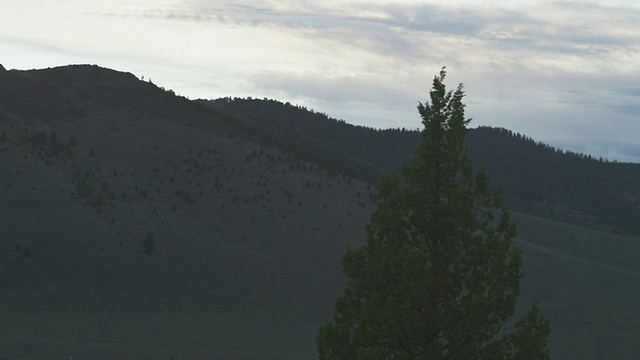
<point x="537" y="178"/>
<point x="139" y="224"/>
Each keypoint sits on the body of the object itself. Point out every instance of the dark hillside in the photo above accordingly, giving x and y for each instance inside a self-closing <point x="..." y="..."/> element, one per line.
<point x="357" y="151"/>
<point x="58" y="93"/>
<point x="137" y="224"/>
<point x="242" y="233"/>
<point x="79" y="92"/>
<point x="561" y="185"/>
<point x="537" y="178"/>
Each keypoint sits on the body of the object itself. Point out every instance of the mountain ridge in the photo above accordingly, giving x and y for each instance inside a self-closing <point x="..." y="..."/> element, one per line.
<point x="248" y="229"/>
<point x="537" y="178"/>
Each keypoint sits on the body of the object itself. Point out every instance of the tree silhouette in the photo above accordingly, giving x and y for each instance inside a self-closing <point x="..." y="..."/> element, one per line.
<point x="438" y="277"/>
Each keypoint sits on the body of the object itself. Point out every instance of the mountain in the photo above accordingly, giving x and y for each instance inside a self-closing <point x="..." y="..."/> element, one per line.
<point x="566" y="186"/>
<point x="140" y="224"/>
<point x="93" y="160"/>
<point x="537" y="178"/>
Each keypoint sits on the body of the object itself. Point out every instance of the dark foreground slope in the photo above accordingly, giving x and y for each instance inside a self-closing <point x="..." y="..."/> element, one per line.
<point x="248" y="228"/>
<point x="585" y="281"/>
<point x="93" y="160"/>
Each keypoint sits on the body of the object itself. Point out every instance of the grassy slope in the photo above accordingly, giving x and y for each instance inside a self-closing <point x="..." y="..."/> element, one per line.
<point x="215" y="288"/>
<point x="585" y="282"/>
<point x="583" y="279"/>
<point x="245" y="272"/>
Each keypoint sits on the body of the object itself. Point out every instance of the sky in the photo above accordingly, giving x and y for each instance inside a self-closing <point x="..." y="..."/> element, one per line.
<point x="566" y="73"/>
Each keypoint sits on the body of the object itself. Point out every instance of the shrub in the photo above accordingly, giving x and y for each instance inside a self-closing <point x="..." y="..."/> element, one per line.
<point x="149" y="243"/>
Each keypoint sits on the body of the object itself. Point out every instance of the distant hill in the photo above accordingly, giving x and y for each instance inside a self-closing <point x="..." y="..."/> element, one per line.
<point x="250" y="205"/>
<point x="361" y="152"/>
<point x="560" y="185"/>
<point x="537" y="178"/>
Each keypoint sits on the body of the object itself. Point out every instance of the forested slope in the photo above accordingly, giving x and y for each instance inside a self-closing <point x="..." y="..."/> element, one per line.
<point x="537" y="178"/>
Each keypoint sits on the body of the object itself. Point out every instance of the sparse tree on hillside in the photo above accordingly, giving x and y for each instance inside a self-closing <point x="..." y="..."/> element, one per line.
<point x="438" y="277"/>
<point x="149" y="243"/>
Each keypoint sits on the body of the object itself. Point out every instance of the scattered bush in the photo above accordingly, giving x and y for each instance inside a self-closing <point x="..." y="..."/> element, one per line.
<point x="149" y="243"/>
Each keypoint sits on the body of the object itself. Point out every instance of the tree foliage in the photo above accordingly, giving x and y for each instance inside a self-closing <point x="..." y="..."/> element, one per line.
<point x="438" y="277"/>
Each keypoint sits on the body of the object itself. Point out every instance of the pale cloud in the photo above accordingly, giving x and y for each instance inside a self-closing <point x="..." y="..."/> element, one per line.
<point x="338" y="89"/>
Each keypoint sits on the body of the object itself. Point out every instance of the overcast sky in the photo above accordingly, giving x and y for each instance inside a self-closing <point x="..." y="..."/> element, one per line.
<point x="563" y="72"/>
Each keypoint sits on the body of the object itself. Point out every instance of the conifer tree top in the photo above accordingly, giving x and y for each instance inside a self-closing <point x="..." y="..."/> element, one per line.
<point x="438" y="277"/>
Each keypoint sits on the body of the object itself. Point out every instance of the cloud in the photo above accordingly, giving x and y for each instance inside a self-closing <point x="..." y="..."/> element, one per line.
<point x="626" y="101"/>
<point x="336" y="90"/>
<point x="612" y="95"/>
<point x="40" y="45"/>
<point x="536" y="25"/>
<point x="358" y="42"/>
<point x="630" y="91"/>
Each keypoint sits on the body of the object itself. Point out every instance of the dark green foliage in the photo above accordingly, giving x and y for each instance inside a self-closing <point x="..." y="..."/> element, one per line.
<point x="188" y="198"/>
<point x="53" y="139"/>
<point x="72" y="141"/>
<point x="40" y="138"/>
<point x="83" y="190"/>
<point x="438" y="277"/>
<point x="24" y="251"/>
<point x="149" y="243"/>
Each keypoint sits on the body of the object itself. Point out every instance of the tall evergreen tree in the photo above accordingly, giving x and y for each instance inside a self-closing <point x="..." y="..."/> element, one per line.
<point x="438" y="277"/>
